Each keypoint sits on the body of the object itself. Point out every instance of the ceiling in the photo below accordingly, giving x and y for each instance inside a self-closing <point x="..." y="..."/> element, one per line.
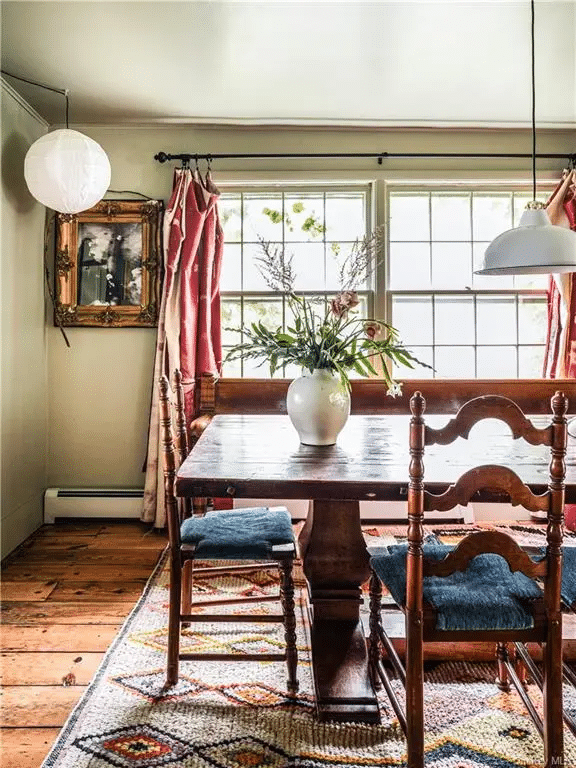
<point x="299" y="62"/>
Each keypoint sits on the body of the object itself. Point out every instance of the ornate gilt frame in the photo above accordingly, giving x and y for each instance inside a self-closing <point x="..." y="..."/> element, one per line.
<point x="68" y="312"/>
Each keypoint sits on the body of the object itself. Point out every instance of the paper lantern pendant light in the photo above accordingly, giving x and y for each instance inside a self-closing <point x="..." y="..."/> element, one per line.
<point x="67" y="171"/>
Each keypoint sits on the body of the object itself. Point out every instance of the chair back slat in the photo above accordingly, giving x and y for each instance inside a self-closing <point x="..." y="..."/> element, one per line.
<point x="488" y="477"/>
<point x="168" y="455"/>
<point x="486" y="542"/>
<point x="489" y="407"/>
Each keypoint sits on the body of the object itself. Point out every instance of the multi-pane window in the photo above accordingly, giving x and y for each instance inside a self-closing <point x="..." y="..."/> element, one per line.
<point x="316" y="226"/>
<point x="462" y="324"/>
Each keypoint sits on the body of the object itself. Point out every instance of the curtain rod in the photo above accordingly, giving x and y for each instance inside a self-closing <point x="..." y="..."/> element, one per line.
<point x="185" y="158"/>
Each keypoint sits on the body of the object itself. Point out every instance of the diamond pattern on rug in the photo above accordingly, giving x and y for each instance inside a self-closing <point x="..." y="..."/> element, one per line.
<point x="455" y="754"/>
<point x="191" y="642"/>
<point x="255" y="644"/>
<point x="261" y="695"/>
<point x="134" y="746"/>
<point x="243" y="752"/>
<point x="152" y="686"/>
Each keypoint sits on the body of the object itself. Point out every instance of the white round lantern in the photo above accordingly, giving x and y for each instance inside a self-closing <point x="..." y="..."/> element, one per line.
<point x="67" y="171"/>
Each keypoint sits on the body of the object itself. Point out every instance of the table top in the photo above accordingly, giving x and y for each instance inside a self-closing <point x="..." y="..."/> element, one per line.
<point x="260" y="456"/>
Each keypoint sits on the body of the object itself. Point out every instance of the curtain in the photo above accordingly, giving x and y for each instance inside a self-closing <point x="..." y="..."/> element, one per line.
<point x="560" y="354"/>
<point x="189" y="335"/>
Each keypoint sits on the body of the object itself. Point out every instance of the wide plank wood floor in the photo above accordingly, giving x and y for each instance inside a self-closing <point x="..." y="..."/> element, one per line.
<point x="65" y="593"/>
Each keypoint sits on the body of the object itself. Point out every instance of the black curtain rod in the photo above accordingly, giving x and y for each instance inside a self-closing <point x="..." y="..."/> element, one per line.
<point x="185" y="158"/>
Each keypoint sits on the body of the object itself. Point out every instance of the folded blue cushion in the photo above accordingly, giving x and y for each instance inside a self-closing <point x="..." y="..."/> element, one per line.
<point x="238" y="534"/>
<point x="486" y="596"/>
<point x="569" y="575"/>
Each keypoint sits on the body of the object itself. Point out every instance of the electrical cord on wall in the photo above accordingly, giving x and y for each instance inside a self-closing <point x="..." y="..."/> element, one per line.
<point x="49" y="221"/>
<point x="128" y="192"/>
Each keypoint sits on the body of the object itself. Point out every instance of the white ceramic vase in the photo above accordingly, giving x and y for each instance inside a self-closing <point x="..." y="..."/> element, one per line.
<point x="318" y="405"/>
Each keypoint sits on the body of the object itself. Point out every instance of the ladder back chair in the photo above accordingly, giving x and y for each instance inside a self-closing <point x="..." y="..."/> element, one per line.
<point x="199" y="505"/>
<point x="485" y="588"/>
<point x="259" y="534"/>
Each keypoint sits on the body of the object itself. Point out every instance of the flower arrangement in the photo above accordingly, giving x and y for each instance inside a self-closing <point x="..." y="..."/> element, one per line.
<point x="326" y="333"/>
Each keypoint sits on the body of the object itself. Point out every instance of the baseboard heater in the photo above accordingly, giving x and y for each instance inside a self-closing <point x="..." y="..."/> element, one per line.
<point x="92" y="502"/>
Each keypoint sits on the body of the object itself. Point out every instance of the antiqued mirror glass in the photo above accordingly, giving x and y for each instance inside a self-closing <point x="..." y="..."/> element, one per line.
<point x="107" y="264"/>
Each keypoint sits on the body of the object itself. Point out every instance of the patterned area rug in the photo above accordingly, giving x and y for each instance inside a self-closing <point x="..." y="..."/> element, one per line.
<point x="238" y="714"/>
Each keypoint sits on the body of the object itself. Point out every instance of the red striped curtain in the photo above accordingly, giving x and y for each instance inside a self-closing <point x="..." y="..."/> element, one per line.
<point x="189" y="335"/>
<point x="560" y="354"/>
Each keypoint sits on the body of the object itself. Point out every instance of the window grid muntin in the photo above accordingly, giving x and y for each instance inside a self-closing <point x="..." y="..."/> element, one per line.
<point x="478" y="343"/>
<point x="515" y="194"/>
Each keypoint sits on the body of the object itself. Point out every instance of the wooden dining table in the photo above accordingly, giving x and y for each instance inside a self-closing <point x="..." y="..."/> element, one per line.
<point x="260" y="456"/>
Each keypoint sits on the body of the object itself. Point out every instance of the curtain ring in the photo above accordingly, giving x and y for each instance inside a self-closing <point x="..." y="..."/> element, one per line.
<point x="209" y="161"/>
<point x="196" y="164"/>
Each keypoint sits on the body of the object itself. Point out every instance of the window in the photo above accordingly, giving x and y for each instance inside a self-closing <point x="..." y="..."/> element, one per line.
<point x="316" y="225"/>
<point x="464" y="325"/>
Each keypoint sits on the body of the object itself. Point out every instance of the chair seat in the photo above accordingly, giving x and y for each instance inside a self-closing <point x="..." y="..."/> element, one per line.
<point x="486" y="596"/>
<point x="247" y="534"/>
<point x="569" y="575"/>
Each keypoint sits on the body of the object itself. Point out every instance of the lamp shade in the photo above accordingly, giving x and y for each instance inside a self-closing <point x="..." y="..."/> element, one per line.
<point x="67" y="171"/>
<point x="534" y="247"/>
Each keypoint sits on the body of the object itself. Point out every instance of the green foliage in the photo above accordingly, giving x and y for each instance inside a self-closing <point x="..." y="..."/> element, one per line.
<point x="337" y="341"/>
<point x="313" y="227"/>
<point x="275" y="217"/>
<point x="324" y="334"/>
<point x="312" y="224"/>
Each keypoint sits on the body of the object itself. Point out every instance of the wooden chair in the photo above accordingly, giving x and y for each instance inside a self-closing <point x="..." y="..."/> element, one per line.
<point x="483" y="589"/>
<point x="261" y="534"/>
<point x="198" y="506"/>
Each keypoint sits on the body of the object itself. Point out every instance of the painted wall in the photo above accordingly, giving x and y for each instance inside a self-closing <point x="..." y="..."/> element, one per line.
<point x="23" y="370"/>
<point x="99" y="389"/>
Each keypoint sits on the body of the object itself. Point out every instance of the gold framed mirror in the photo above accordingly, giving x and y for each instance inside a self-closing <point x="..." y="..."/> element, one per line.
<point x="107" y="264"/>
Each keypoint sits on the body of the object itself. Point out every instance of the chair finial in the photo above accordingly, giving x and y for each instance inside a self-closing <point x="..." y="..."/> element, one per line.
<point x="559" y="404"/>
<point x="164" y="386"/>
<point x="417" y="404"/>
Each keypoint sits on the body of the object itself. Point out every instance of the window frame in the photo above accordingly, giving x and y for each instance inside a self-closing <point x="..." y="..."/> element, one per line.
<point x="387" y="294"/>
<point x="321" y="187"/>
<point x="380" y="182"/>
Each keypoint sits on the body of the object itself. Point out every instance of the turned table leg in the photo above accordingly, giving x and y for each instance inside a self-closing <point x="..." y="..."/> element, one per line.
<point x="336" y="564"/>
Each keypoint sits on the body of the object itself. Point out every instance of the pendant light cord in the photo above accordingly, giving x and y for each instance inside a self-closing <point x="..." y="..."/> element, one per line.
<point x="533" y="47"/>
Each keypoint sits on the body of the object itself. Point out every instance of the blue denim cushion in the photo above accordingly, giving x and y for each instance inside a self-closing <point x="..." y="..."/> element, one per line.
<point x="238" y="534"/>
<point x="568" y="589"/>
<point x="569" y="575"/>
<point x="486" y="596"/>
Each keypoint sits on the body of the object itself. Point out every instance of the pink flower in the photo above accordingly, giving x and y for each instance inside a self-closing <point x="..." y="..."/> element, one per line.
<point x="371" y="328"/>
<point x="344" y="301"/>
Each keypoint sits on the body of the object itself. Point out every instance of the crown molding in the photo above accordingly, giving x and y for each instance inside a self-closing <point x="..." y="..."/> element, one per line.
<point x="323" y="125"/>
<point x="10" y="91"/>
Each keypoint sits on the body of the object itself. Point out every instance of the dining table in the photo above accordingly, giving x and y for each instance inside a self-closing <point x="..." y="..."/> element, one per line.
<point x="252" y="456"/>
